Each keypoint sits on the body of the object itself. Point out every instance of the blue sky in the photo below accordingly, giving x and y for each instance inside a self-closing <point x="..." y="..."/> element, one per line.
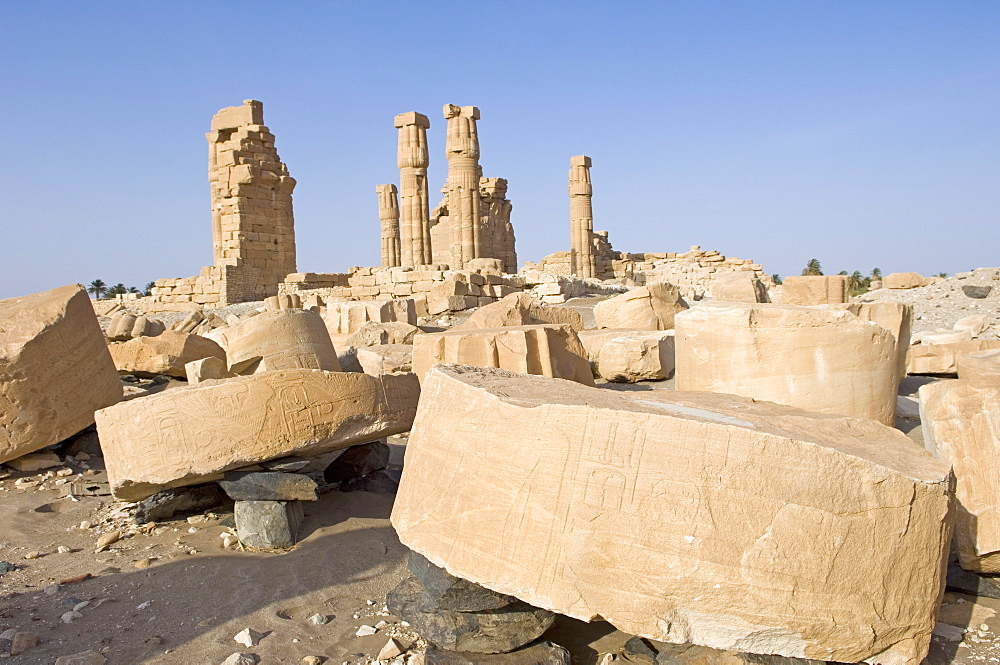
<point x="863" y="134"/>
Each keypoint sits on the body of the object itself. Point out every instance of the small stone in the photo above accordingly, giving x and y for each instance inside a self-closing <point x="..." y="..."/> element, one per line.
<point x="978" y="292"/>
<point x="83" y="658"/>
<point x="142" y="564"/>
<point x="33" y="554"/>
<point x="51" y="590"/>
<point x="365" y="631"/>
<point x="248" y="637"/>
<point x="391" y="649"/>
<point x="81" y="606"/>
<point x="85" y="524"/>
<point x="949" y="632"/>
<point x="228" y="540"/>
<point x="107" y="539"/>
<point x="142" y="606"/>
<point x="241" y="659"/>
<point x="22" y="641"/>
<point x="34" y="462"/>
<point x="62" y="473"/>
<point x="6" y="567"/>
<point x="68" y="617"/>
<point x="607" y="659"/>
<point x="318" y="619"/>
<point x="62" y="549"/>
<point x="310" y="660"/>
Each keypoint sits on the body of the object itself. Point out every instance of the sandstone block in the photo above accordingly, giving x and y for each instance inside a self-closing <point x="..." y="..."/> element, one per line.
<point x="205" y="369"/>
<point x="981" y="368"/>
<point x="165" y="354"/>
<point x="815" y="289"/>
<point x="896" y="317"/>
<point x="975" y="324"/>
<point x="282" y="339"/>
<point x="120" y="326"/>
<point x="630" y="355"/>
<point x="738" y="286"/>
<point x="55" y="369"/>
<point x="650" y="307"/>
<point x="961" y="424"/>
<point x="385" y="358"/>
<point x="189" y="435"/>
<point x="816" y="359"/>
<point x="268" y="524"/>
<point x="547" y="350"/>
<point x="942" y="359"/>
<point x="681" y="517"/>
<point x="373" y="334"/>
<point x="903" y="280"/>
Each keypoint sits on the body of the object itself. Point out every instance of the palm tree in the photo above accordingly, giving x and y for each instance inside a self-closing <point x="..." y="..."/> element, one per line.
<point x="116" y="289"/>
<point x="876" y="273"/>
<point x="132" y="289"/>
<point x="148" y="291"/>
<point x="97" y="288"/>
<point x="942" y="274"/>
<point x="813" y="268"/>
<point x="776" y="278"/>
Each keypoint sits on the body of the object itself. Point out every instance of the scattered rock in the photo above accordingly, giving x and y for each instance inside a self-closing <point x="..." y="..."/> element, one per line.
<point x="107" y="539"/>
<point x="166" y="354"/>
<point x="444" y="591"/>
<point x="286" y="464"/>
<point x="391" y="649"/>
<point x="488" y="631"/>
<point x="238" y="658"/>
<point x="6" y="567"/>
<point x="167" y="504"/>
<point x="34" y="462"/>
<point x="33" y="554"/>
<point x="22" y="641"/>
<point x="318" y="619"/>
<point x="310" y="660"/>
<point x="539" y="653"/>
<point x="268" y="486"/>
<point x="248" y="637"/>
<point x="651" y="307"/>
<point x="83" y="658"/>
<point x="365" y="631"/>
<point x="282" y="339"/>
<point x="977" y="292"/>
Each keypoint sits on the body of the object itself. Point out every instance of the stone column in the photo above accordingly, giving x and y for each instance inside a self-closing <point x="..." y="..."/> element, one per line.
<point x="388" y="212"/>
<point x="413" y="158"/>
<point x="581" y="218"/>
<point x="462" y="190"/>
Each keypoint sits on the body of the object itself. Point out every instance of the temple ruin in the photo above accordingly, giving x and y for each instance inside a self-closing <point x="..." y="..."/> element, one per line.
<point x="582" y="261"/>
<point x="388" y="213"/>
<point x="413" y="159"/>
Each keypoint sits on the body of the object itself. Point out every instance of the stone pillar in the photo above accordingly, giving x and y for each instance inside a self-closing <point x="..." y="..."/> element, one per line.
<point x="388" y="212"/>
<point x="499" y="234"/>
<point x="253" y="234"/>
<point x="462" y="190"/>
<point x="413" y="158"/>
<point x="581" y="218"/>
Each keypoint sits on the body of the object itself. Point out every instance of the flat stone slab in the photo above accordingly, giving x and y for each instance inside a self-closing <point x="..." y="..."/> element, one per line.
<point x="268" y="486"/>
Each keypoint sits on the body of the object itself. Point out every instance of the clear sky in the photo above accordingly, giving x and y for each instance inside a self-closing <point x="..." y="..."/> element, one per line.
<point x="860" y="133"/>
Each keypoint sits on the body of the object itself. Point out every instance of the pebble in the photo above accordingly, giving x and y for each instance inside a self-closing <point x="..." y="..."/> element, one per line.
<point x="51" y="590"/>
<point x="391" y="649"/>
<point x="142" y="606"/>
<point x="142" y="564"/>
<point x="228" y="540"/>
<point x="68" y="617"/>
<point x="247" y="637"/>
<point x="365" y="631"/>
<point x="107" y="539"/>
<point x="6" y="567"/>
<point x="241" y="659"/>
<point x="310" y="660"/>
<point x="84" y="658"/>
<point x="33" y="554"/>
<point x="318" y="619"/>
<point x="85" y="524"/>
<point x="22" y="641"/>
<point x="63" y="549"/>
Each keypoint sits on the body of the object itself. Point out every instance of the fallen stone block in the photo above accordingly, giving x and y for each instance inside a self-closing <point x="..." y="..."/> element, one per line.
<point x="651" y="307"/>
<point x="942" y="359"/>
<point x="168" y="504"/>
<point x="961" y="424"/>
<point x="268" y="486"/>
<point x="814" y="289"/>
<point x="630" y="355"/>
<point x="206" y="369"/>
<point x="385" y="358"/>
<point x="35" y="462"/>
<point x="268" y="524"/>
<point x="738" y="286"/>
<point x="896" y="317"/>
<point x="547" y="350"/>
<point x="55" y="369"/>
<point x="982" y="367"/>
<point x="519" y="309"/>
<point x="282" y="339"/>
<point x="374" y="334"/>
<point x="903" y="280"/>
<point x="681" y="517"/>
<point x="818" y="359"/>
<point x="166" y="354"/>
<point x="487" y="631"/>
<point x="976" y="324"/>
<point x="194" y="434"/>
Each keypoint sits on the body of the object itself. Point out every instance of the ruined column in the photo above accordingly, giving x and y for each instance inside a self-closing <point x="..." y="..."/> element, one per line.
<point x="414" y="210"/>
<point x="253" y="232"/>
<point x="498" y="242"/>
<point x="462" y="190"/>
<point x="388" y="213"/>
<point x="581" y="218"/>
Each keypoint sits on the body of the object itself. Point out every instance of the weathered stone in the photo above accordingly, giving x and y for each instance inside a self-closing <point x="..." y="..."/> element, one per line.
<point x="205" y="369"/>
<point x="120" y="326"/>
<point x="651" y="307"/>
<point x="385" y="358"/>
<point x="286" y="464"/>
<point x="375" y="333"/>
<point x="739" y="286"/>
<point x="543" y="313"/>
<point x="268" y="524"/>
<point x="975" y="324"/>
<point x="519" y="309"/>
<point x="630" y="355"/>
<point x="942" y="359"/>
<point x="22" y="641"/>
<point x="488" y="631"/>
<point x="537" y="653"/>
<point x="165" y="354"/>
<point x="167" y="504"/>
<point x="687" y="654"/>
<point x="444" y="591"/>
<point x="814" y="289"/>
<point x="903" y="280"/>
<point x="750" y="526"/>
<point x="357" y="461"/>
<point x="284" y="339"/>
<point x="978" y="292"/>
<point x="35" y="462"/>
<point x="241" y="659"/>
<point x="55" y="369"/>
<point x="84" y="658"/>
<point x="190" y="435"/>
<point x="982" y="367"/>
<point x="811" y="358"/>
<point x="547" y="350"/>
<point x="268" y="486"/>
<point x="974" y="584"/>
<point x="896" y="317"/>
<point x="961" y="424"/>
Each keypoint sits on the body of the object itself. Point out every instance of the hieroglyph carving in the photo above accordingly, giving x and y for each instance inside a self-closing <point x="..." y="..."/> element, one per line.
<point x="414" y="209"/>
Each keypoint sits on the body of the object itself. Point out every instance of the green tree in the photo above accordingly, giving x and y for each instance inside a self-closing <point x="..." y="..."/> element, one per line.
<point x="132" y="289"/>
<point x="876" y="273"/>
<point x="776" y="278"/>
<point x="813" y="268"/>
<point x="148" y="291"/>
<point x="97" y="288"/>
<point x="116" y="289"/>
<point x="942" y="274"/>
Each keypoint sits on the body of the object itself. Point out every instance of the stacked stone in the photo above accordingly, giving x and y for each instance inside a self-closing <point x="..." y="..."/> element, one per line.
<point x="462" y="621"/>
<point x="252" y="224"/>
<point x="345" y="318"/>
<point x="496" y="231"/>
<point x="181" y="293"/>
<point x="269" y="502"/>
